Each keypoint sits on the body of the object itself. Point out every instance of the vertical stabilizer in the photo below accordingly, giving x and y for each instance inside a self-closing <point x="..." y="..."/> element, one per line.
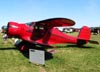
<point x="84" y="36"/>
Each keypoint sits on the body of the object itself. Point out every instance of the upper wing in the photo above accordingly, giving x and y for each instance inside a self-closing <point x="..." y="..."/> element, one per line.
<point x="55" y="22"/>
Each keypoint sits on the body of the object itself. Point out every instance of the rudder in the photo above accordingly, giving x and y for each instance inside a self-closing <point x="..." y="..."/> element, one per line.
<point x="84" y="36"/>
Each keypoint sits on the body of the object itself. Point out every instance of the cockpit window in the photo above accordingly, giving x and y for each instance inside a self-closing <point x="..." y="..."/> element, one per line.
<point x="29" y="24"/>
<point x="39" y="27"/>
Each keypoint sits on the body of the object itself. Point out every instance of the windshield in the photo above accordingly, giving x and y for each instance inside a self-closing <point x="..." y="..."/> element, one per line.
<point x="29" y="23"/>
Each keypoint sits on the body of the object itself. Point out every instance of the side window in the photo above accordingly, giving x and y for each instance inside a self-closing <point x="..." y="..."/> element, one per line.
<point x="39" y="27"/>
<point x="36" y="27"/>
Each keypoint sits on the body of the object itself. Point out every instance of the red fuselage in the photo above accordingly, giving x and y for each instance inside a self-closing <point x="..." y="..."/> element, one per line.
<point x="38" y="34"/>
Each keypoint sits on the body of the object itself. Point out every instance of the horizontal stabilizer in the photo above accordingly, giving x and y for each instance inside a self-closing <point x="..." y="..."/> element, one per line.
<point x="93" y="42"/>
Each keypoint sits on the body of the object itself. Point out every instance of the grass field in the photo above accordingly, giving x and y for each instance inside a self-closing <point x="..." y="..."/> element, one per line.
<point x="67" y="58"/>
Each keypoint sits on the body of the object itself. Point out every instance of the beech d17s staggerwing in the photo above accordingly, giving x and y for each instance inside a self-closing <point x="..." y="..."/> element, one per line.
<point x="44" y="33"/>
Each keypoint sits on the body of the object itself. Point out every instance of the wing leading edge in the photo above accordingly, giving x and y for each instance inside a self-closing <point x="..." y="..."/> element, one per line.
<point x="56" y="22"/>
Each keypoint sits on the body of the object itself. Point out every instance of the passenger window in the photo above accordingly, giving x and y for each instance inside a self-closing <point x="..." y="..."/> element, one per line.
<point x="39" y="27"/>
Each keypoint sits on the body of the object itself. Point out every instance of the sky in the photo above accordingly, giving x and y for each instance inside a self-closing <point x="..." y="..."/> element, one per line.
<point x="83" y="12"/>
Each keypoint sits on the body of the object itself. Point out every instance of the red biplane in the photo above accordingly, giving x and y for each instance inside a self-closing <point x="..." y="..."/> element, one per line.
<point x="44" y="33"/>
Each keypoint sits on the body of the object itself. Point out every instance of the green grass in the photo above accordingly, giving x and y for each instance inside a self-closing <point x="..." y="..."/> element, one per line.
<point x="67" y="58"/>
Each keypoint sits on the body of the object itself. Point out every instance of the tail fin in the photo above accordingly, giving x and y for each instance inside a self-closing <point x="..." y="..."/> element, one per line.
<point x="84" y="36"/>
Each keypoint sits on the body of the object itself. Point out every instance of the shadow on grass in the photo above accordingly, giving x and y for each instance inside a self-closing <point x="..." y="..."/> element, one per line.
<point x="48" y="55"/>
<point x="79" y="46"/>
<point x="11" y="48"/>
<point x="74" y="46"/>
